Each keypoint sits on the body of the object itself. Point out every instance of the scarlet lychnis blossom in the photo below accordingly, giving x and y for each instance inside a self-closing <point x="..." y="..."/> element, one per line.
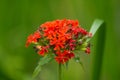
<point x="60" y="38"/>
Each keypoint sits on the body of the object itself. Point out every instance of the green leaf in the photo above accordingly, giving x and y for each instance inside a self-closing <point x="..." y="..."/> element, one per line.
<point x="44" y="60"/>
<point x="95" y="26"/>
<point x="77" y="59"/>
<point x="82" y="65"/>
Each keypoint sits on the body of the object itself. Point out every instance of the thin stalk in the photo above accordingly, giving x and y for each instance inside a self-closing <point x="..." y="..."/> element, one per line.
<point x="59" y="70"/>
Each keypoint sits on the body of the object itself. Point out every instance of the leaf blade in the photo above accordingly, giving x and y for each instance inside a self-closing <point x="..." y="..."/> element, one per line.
<point x="44" y="60"/>
<point x="95" y="26"/>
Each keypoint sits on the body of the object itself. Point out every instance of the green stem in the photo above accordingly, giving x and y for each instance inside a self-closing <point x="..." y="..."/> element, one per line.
<point x="59" y="70"/>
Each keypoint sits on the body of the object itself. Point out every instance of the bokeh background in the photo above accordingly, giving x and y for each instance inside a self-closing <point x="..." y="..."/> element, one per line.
<point x="19" y="18"/>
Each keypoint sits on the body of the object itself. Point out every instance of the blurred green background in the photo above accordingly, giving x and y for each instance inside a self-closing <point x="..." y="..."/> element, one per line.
<point x="19" y="18"/>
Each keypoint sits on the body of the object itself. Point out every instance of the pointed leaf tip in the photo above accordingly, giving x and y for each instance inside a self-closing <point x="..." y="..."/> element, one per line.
<point x="95" y="26"/>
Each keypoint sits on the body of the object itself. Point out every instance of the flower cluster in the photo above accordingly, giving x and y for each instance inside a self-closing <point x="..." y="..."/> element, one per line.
<point x="61" y="38"/>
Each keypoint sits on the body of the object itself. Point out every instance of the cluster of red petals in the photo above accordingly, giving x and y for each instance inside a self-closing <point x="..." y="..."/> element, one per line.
<point x="33" y="38"/>
<point x="71" y="43"/>
<point x="64" y="56"/>
<point x="43" y="50"/>
<point x="61" y="36"/>
<point x="61" y="32"/>
<point x="87" y="50"/>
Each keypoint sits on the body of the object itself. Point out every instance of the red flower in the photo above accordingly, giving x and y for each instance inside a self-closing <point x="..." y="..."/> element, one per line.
<point x="83" y="31"/>
<point x="33" y="38"/>
<point x="37" y="35"/>
<point x="43" y="50"/>
<point x="68" y="54"/>
<point x="72" y="44"/>
<point x="90" y="35"/>
<point x="73" y="23"/>
<point x="87" y="50"/>
<point x="63" y="57"/>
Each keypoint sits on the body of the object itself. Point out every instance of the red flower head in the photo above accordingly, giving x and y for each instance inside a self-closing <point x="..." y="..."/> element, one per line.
<point x="61" y="37"/>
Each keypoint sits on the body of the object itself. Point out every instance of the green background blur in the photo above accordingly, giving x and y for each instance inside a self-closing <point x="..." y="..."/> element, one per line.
<point x="19" y="18"/>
